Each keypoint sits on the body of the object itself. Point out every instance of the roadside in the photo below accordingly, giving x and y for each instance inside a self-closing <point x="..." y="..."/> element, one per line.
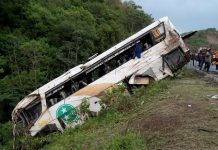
<point x="187" y="119"/>
<point x="212" y="74"/>
<point x="180" y="116"/>
<point x="179" y="113"/>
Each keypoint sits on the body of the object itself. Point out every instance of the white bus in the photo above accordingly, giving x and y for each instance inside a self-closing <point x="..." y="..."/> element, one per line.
<point x="157" y="51"/>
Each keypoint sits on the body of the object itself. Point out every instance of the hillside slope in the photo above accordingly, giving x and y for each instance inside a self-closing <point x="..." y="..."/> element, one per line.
<point x="202" y="38"/>
<point x="40" y="40"/>
<point x="171" y="114"/>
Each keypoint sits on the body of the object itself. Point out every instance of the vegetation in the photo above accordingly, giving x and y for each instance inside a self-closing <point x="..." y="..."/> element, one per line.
<point x="170" y="114"/>
<point x="110" y="130"/>
<point x="204" y="38"/>
<point x="39" y="40"/>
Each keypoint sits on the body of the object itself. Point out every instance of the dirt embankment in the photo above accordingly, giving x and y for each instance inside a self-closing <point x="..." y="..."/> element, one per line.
<point x="183" y="116"/>
<point x="187" y="119"/>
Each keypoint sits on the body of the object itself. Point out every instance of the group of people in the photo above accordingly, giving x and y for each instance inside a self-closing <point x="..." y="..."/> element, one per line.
<point x="204" y="58"/>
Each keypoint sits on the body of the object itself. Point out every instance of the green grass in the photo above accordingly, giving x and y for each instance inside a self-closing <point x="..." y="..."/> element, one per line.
<point x="128" y="141"/>
<point x="110" y="129"/>
<point x="115" y="128"/>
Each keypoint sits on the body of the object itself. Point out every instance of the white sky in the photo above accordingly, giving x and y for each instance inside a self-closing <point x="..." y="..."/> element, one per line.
<point x="186" y="15"/>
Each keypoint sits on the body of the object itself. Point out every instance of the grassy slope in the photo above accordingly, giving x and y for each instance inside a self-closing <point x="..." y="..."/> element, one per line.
<point x="155" y="118"/>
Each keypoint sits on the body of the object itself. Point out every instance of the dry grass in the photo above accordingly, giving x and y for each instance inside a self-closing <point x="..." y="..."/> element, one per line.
<point x="175" y="114"/>
<point x="187" y="119"/>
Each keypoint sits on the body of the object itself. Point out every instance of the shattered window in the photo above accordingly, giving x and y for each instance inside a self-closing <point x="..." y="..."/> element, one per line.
<point x="31" y="113"/>
<point x="58" y="94"/>
<point x="34" y="110"/>
<point x="158" y="33"/>
<point x="175" y="59"/>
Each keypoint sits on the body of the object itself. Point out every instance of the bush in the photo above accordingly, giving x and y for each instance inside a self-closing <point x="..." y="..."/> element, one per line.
<point x="6" y="135"/>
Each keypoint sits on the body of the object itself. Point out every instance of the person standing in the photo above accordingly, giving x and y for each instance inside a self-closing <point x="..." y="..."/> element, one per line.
<point x="200" y="60"/>
<point x="208" y="60"/>
<point x="138" y="50"/>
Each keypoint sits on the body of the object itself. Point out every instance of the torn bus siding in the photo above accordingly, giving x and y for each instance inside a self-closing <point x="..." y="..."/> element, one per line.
<point x="68" y="101"/>
<point x="66" y="114"/>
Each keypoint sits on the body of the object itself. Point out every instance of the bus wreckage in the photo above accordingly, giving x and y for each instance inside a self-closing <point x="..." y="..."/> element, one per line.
<point x="156" y="52"/>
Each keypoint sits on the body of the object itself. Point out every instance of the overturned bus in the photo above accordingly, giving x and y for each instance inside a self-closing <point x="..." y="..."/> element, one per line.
<point x="157" y="51"/>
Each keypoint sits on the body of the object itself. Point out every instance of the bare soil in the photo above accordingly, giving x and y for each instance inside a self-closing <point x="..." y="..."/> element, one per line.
<point x="213" y="39"/>
<point x="186" y="120"/>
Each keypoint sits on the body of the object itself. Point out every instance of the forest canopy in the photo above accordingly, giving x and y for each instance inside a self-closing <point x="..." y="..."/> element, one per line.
<point x="41" y="39"/>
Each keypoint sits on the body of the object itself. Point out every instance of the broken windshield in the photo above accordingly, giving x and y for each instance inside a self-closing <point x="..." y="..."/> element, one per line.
<point x="31" y="112"/>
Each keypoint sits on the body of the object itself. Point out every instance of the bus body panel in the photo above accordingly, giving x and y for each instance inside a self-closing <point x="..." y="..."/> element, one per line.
<point x="51" y="115"/>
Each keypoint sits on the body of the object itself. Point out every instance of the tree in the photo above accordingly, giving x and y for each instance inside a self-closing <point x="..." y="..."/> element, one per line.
<point x="74" y="36"/>
<point x="12" y="12"/>
<point x="42" y="39"/>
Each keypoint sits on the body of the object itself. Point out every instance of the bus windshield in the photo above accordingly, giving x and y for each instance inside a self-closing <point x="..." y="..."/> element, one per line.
<point x="30" y="113"/>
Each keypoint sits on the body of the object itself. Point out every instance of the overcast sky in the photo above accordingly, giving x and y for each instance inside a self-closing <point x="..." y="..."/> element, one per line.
<point x="186" y="15"/>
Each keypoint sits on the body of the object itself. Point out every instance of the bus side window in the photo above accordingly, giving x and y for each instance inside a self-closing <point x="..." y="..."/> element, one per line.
<point x="89" y="78"/>
<point x="52" y="101"/>
<point x="147" y="42"/>
<point x="62" y="95"/>
<point x="82" y="84"/>
<point x="82" y="81"/>
<point x="55" y="98"/>
<point x="158" y="33"/>
<point x="74" y="87"/>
